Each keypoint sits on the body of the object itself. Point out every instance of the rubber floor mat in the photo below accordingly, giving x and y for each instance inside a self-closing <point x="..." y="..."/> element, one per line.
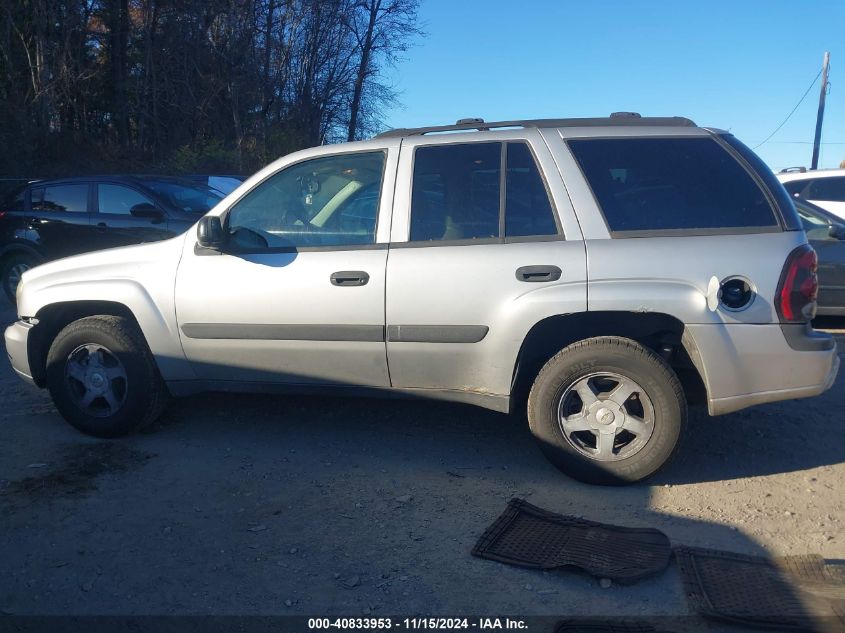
<point x="800" y="593"/>
<point x="529" y="536"/>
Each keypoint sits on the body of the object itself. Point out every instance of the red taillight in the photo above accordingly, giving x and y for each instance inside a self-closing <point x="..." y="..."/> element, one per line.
<point x="799" y="285"/>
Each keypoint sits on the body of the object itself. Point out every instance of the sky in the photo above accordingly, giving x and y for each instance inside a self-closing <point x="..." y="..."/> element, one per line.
<point x="741" y="66"/>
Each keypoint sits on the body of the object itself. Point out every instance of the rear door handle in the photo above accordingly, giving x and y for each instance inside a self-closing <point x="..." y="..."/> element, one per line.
<point x="102" y="227"/>
<point x="350" y="278"/>
<point x="538" y="273"/>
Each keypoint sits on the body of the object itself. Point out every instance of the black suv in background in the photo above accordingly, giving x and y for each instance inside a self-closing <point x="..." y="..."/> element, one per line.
<point x="49" y="219"/>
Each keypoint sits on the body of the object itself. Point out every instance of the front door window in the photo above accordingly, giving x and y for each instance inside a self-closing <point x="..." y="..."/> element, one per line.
<point x="331" y="201"/>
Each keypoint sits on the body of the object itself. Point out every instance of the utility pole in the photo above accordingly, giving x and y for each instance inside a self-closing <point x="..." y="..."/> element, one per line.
<point x="820" y="115"/>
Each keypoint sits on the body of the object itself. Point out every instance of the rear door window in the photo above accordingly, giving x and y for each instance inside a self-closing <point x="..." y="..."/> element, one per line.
<point x="69" y="198"/>
<point x="528" y="209"/>
<point x="670" y="184"/>
<point x="827" y="189"/>
<point x="457" y="193"/>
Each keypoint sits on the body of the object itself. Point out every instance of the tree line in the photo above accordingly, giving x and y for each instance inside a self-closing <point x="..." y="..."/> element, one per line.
<point x="190" y="85"/>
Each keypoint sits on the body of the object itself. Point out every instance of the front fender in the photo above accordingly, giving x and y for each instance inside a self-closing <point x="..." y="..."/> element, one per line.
<point x="157" y="322"/>
<point x="140" y="278"/>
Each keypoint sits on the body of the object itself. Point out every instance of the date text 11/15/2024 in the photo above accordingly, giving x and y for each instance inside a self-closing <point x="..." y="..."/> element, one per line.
<point x="418" y="623"/>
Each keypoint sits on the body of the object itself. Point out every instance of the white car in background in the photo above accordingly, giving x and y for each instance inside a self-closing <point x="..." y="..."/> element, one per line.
<point x="823" y="187"/>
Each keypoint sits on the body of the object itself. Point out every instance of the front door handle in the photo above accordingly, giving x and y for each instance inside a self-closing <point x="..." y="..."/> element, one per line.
<point x="538" y="273"/>
<point x="350" y="278"/>
<point x="102" y="227"/>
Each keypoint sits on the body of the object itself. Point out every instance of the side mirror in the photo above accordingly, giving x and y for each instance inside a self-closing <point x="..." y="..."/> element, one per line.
<point x="146" y="210"/>
<point x="837" y="231"/>
<point x="210" y="232"/>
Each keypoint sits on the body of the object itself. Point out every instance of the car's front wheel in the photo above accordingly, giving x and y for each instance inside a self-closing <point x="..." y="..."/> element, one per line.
<point x="103" y="378"/>
<point x="607" y="410"/>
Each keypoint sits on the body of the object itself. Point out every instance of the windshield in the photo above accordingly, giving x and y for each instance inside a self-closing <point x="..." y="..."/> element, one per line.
<point x="190" y="198"/>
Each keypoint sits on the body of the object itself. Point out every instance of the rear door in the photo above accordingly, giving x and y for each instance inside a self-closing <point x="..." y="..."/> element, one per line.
<point x="479" y="238"/>
<point x="59" y="219"/>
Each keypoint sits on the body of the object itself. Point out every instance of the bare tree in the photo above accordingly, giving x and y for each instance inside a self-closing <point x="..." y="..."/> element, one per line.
<point x="382" y="29"/>
<point x="91" y="85"/>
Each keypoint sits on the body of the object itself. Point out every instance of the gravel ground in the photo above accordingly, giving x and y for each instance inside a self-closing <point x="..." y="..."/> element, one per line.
<point x="260" y="505"/>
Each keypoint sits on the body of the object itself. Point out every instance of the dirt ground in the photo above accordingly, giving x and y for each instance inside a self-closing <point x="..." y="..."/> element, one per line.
<point x="268" y="505"/>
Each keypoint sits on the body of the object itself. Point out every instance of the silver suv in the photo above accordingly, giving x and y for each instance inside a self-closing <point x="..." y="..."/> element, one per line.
<point x="603" y="272"/>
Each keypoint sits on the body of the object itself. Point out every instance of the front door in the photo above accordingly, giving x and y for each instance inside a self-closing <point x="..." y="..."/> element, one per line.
<point x="297" y="295"/>
<point x="115" y="222"/>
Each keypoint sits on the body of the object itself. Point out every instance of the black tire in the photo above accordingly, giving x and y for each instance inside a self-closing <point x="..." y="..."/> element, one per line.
<point x="141" y="392"/>
<point x="12" y="267"/>
<point x="597" y="360"/>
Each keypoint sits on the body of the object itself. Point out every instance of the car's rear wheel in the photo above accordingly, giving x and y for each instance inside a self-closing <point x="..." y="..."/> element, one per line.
<point x="103" y="378"/>
<point x="607" y="411"/>
<point x="12" y="270"/>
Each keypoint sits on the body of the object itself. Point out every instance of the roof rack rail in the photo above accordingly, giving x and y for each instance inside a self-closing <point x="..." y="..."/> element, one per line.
<point x="788" y="170"/>
<point x="615" y="119"/>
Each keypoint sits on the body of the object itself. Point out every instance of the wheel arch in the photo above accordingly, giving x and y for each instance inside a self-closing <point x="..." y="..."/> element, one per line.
<point x="52" y="318"/>
<point x="19" y="247"/>
<point x="662" y="333"/>
<point x="161" y="340"/>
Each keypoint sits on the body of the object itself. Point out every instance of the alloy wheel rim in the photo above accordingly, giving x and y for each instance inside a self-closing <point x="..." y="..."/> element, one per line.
<point x="96" y="380"/>
<point x="606" y="416"/>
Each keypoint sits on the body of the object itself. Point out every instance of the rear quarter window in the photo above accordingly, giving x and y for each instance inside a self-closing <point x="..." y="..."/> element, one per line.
<point x="672" y="184"/>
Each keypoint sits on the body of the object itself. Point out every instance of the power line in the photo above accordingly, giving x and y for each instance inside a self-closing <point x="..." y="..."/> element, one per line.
<point x="777" y="129"/>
